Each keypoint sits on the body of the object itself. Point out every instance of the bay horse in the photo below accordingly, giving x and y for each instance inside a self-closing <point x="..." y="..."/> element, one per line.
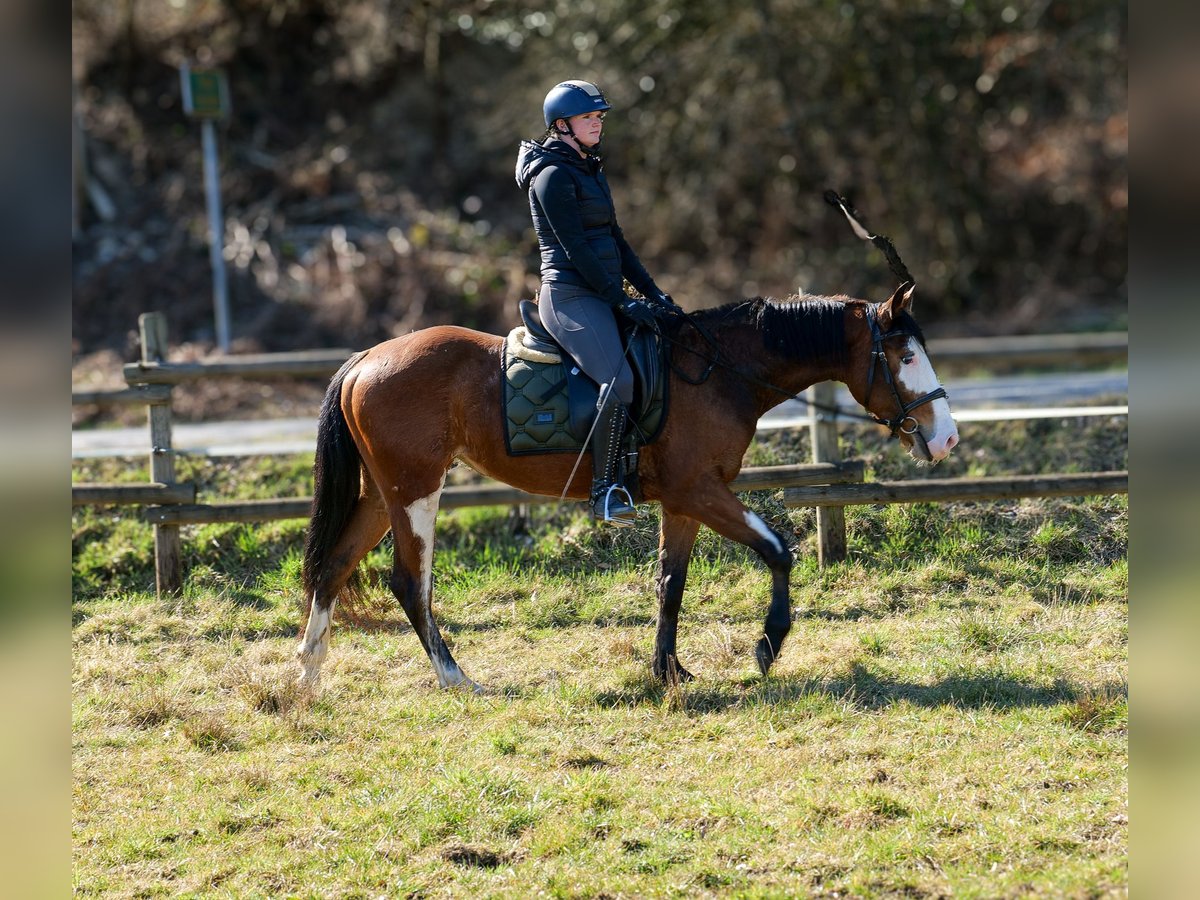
<point x="397" y="416"/>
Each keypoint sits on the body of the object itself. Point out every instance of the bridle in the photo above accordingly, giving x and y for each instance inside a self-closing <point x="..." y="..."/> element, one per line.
<point x="898" y="422"/>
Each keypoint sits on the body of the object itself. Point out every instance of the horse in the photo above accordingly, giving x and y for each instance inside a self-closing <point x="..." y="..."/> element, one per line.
<point x="397" y="416"/>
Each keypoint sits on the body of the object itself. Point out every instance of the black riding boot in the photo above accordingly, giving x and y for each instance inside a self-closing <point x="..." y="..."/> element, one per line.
<point x="610" y="500"/>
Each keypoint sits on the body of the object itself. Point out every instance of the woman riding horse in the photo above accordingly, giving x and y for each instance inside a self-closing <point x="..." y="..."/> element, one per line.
<point x="584" y="258"/>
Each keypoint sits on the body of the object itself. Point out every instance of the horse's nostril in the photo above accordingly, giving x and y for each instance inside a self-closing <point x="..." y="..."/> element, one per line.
<point x="951" y="442"/>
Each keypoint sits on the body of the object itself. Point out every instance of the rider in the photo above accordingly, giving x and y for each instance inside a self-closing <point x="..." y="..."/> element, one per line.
<point x="585" y="258"/>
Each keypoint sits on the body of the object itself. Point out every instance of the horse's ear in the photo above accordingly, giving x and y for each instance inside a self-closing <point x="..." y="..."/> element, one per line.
<point x="900" y="301"/>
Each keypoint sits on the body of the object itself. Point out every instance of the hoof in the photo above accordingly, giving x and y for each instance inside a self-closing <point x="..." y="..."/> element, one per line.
<point x="307" y="677"/>
<point x="764" y="654"/>
<point x="309" y="666"/>
<point x="664" y="674"/>
<point x="466" y="685"/>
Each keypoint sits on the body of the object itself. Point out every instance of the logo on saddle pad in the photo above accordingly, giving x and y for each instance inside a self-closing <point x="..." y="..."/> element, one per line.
<point x="549" y="404"/>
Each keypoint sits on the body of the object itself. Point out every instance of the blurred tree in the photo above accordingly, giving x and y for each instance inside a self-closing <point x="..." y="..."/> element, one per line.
<point x="986" y="137"/>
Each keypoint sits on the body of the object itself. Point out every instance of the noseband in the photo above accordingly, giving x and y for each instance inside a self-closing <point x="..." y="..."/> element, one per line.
<point x="899" y="421"/>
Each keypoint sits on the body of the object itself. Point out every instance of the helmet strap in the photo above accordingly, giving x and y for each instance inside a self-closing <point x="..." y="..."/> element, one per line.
<point x="594" y="150"/>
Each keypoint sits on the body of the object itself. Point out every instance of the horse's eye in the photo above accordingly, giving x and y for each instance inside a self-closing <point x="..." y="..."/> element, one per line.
<point x="907" y="358"/>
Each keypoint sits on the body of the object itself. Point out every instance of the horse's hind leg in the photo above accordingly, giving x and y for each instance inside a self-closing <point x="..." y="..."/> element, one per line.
<point x="412" y="583"/>
<point x="677" y="536"/>
<point x="367" y="526"/>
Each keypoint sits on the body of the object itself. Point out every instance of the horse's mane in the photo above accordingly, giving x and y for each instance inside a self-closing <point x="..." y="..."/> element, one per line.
<point x="799" y="328"/>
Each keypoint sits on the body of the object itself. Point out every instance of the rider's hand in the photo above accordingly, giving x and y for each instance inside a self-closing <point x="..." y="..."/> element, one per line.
<point x="637" y="312"/>
<point x="666" y="308"/>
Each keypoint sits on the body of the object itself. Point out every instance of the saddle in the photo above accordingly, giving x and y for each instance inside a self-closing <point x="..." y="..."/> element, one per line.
<point x="549" y="403"/>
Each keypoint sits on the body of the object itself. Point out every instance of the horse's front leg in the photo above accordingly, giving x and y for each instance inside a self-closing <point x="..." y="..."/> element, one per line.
<point x="676" y="537"/>
<point x="716" y="506"/>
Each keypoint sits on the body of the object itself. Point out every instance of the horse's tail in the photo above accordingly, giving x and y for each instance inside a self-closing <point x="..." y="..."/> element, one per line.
<point x="337" y="476"/>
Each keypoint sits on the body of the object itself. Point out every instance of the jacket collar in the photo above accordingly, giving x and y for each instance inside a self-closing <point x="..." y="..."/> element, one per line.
<point x="569" y="154"/>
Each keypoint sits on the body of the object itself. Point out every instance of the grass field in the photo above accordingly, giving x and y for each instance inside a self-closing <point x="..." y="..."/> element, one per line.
<point x="948" y="717"/>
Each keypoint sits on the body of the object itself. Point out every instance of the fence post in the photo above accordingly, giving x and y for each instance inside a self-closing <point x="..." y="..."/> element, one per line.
<point x="168" y="567"/>
<point x="831" y="521"/>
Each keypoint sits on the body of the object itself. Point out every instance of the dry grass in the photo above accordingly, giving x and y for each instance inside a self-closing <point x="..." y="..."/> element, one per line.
<point x="873" y="773"/>
<point x="948" y="717"/>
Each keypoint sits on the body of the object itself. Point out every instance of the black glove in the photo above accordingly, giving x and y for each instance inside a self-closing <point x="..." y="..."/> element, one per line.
<point x="666" y="308"/>
<point x="637" y="312"/>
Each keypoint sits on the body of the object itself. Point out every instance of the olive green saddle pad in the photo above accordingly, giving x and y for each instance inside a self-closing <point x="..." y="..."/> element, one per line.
<point x="549" y="403"/>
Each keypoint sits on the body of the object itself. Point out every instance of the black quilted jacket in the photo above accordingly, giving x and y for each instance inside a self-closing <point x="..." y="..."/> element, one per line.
<point x="576" y="224"/>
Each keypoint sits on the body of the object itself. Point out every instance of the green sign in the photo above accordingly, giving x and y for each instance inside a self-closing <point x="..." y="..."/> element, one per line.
<point x="205" y="93"/>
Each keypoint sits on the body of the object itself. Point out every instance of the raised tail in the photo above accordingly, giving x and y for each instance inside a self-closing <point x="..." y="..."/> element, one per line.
<point x="337" y="476"/>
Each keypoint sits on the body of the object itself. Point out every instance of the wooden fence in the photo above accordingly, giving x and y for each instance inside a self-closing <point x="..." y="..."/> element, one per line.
<point x="828" y="483"/>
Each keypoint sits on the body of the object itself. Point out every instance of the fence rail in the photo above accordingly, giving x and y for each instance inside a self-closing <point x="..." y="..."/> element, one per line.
<point x="85" y="494"/>
<point x="828" y="483"/>
<point x="141" y="393"/>
<point x="302" y="364"/>
<point x="940" y="490"/>
<point x="759" y="478"/>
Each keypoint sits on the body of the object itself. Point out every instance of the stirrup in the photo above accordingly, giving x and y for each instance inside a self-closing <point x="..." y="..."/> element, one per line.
<point x="614" y="506"/>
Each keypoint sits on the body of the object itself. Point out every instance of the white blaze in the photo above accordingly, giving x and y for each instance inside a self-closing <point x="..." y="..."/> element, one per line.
<point x="919" y="378"/>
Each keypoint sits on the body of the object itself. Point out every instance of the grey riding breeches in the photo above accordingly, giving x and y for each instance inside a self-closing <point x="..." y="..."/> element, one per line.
<point x="586" y="327"/>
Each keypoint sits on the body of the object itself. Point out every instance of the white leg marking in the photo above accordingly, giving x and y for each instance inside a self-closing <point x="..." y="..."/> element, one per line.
<point x="919" y="377"/>
<point x="422" y="515"/>
<point x="315" y="643"/>
<point x="760" y="527"/>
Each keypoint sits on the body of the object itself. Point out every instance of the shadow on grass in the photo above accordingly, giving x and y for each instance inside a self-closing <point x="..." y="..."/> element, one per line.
<point x="855" y="613"/>
<point x="860" y="690"/>
<point x="247" y="597"/>
<point x="545" y="621"/>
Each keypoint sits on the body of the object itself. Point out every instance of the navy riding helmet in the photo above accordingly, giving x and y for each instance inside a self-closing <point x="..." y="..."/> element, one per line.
<point x="572" y="98"/>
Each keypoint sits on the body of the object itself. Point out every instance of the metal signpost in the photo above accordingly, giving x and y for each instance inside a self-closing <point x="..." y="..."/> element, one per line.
<point x="206" y="97"/>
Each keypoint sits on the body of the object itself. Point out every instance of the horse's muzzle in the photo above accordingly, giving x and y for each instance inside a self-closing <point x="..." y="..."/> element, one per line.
<point x="933" y="451"/>
<point x="919" y="449"/>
